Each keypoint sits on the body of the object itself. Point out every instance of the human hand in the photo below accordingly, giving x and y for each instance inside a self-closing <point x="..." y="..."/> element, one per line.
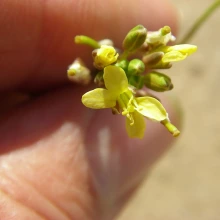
<point x="60" y="160"/>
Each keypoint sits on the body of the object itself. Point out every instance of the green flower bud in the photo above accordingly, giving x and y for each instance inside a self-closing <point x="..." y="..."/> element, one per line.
<point x="135" y="38"/>
<point x="123" y="64"/>
<point x="136" y="81"/>
<point x="153" y="58"/>
<point x="158" y="82"/>
<point x="136" y="67"/>
<point x="81" y="39"/>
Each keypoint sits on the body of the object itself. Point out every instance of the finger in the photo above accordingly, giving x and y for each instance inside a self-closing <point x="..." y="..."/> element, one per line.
<point x="60" y="160"/>
<point x="36" y="44"/>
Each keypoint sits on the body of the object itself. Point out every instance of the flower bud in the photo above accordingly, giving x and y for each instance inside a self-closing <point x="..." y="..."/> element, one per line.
<point x="158" y="82"/>
<point x="152" y="58"/>
<point x="135" y="38"/>
<point x="123" y="64"/>
<point x="104" y="56"/>
<point x="136" y="67"/>
<point x="82" y="39"/>
<point x="136" y="81"/>
<point x="79" y="73"/>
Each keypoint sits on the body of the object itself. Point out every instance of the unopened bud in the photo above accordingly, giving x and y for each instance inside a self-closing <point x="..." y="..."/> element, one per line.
<point x="136" y="67"/>
<point x="135" y="38"/>
<point x="158" y="82"/>
<point x="123" y="64"/>
<point x="153" y="58"/>
<point x="82" y="39"/>
<point x="136" y="81"/>
<point x="79" y="73"/>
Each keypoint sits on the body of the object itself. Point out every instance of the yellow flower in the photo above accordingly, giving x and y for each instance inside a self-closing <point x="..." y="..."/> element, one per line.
<point x="120" y="98"/>
<point x="177" y="52"/>
<point x="104" y="56"/>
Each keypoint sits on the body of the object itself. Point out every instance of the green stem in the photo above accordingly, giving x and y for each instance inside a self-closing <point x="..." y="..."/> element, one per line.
<point x="200" y="21"/>
<point x="81" y="39"/>
<point x="124" y="55"/>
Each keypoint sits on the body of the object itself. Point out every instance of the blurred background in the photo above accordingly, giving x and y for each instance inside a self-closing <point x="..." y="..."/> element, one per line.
<point x="185" y="183"/>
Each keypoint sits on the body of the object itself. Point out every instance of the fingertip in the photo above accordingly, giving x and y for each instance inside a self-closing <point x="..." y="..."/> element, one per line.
<point x="44" y="57"/>
<point x="114" y="19"/>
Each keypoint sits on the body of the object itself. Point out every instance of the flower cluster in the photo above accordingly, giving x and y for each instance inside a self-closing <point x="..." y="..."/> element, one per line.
<point x="123" y="80"/>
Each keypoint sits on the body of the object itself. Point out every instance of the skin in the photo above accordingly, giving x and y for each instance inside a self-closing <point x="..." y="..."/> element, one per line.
<point x="58" y="159"/>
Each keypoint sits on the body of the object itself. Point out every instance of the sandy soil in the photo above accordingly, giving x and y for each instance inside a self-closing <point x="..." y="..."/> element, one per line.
<point x="185" y="183"/>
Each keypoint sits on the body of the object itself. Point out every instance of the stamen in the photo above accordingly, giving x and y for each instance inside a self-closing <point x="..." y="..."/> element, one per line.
<point x="125" y="101"/>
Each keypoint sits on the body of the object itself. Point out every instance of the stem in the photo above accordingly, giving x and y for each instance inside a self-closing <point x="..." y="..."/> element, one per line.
<point x="124" y="55"/>
<point x="200" y="21"/>
<point x="81" y="39"/>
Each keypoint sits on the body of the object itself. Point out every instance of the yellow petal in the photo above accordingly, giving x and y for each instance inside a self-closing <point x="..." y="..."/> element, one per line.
<point x="173" y="56"/>
<point x="115" y="79"/>
<point x="184" y="48"/>
<point x="151" y="108"/>
<point x="99" y="98"/>
<point x="137" y="129"/>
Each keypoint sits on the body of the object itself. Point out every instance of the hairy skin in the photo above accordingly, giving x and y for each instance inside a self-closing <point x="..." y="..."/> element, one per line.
<point x="58" y="159"/>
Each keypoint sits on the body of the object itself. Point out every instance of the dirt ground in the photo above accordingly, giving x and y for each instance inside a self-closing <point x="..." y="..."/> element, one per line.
<point x="185" y="183"/>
